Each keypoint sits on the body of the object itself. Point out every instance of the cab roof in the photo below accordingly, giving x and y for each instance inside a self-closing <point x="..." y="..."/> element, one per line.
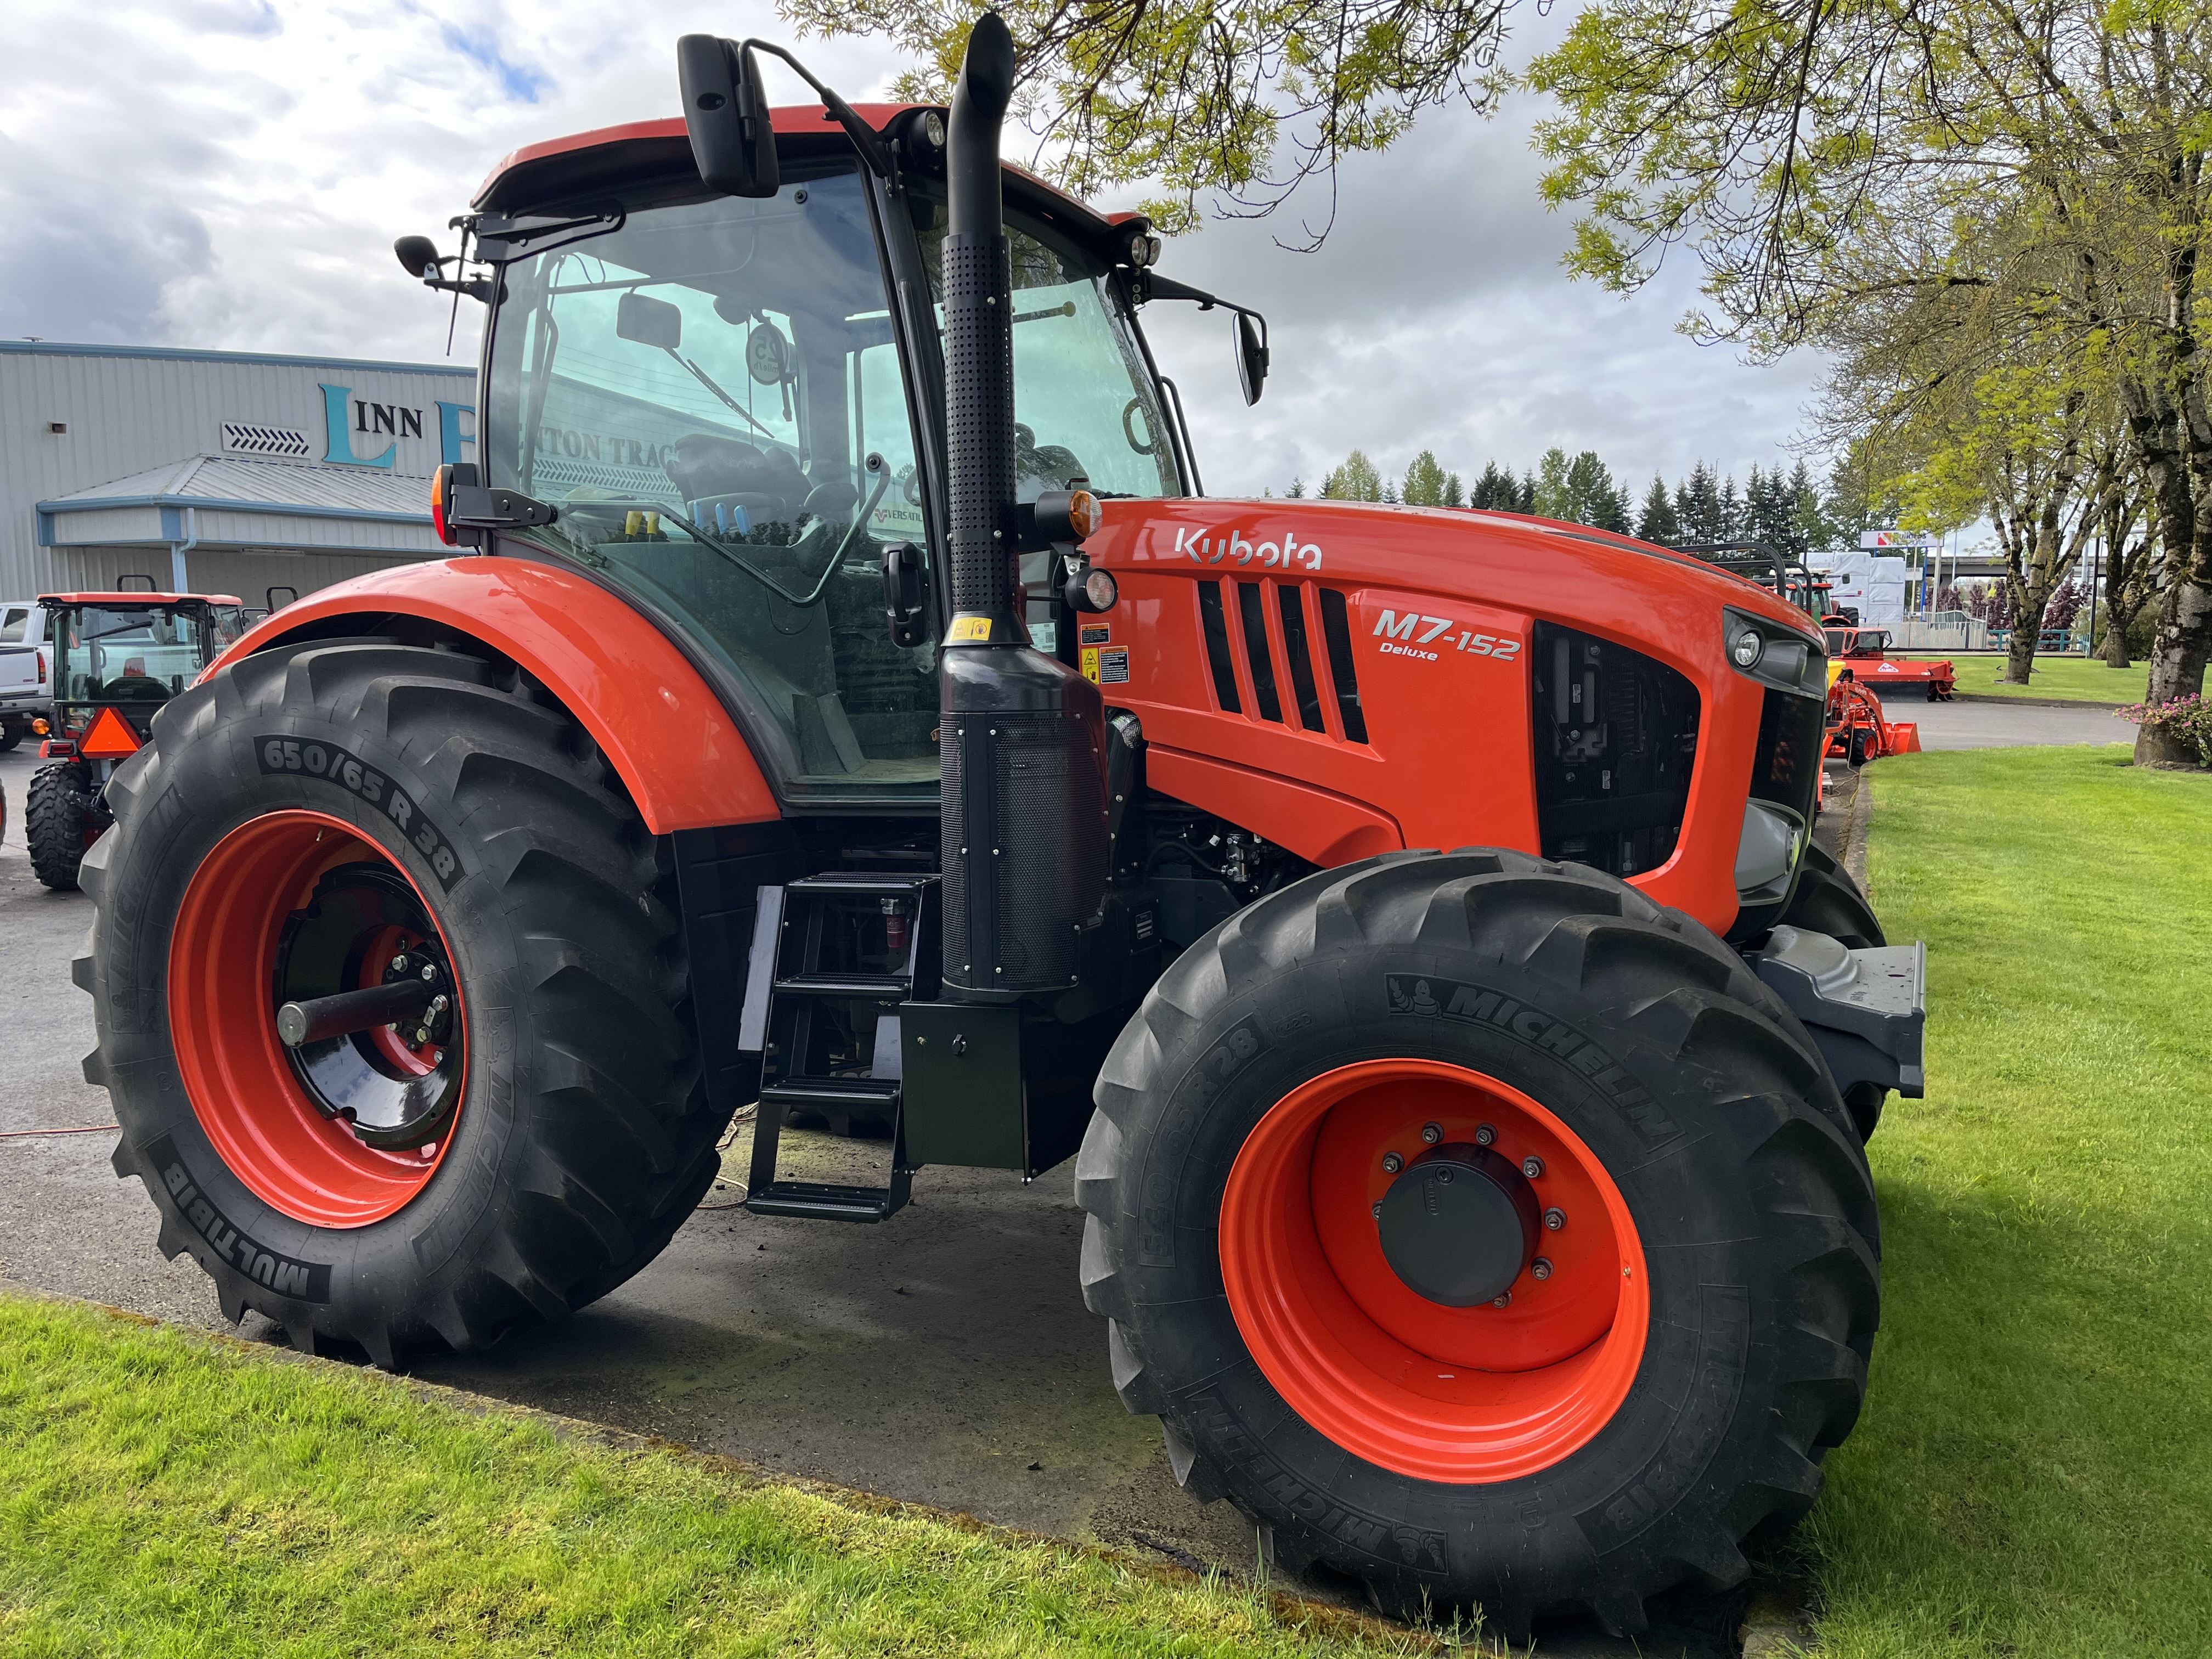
<point x="137" y="599"/>
<point x="562" y="169"/>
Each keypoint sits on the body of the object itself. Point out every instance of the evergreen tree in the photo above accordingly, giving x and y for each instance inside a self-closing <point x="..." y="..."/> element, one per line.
<point x="1698" y="506"/>
<point x="1297" y="490"/>
<point x="1549" y="487"/>
<point x="1659" y="523"/>
<point x="1731" y="515"/>
<point x="1496" y="489"/>
<point x="1357" y="480"/>
<point x="1525" y="501"/>
<point x="1455" y="492"/>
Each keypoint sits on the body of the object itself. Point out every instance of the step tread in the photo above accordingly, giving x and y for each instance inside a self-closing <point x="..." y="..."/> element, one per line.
<point x="818" y="984"/>
<point x="811" y="1090"/>
<point x="819" y="1201"/>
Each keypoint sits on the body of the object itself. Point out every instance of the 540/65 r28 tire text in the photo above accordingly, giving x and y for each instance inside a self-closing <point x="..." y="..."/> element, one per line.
<point x="1485" y="1231"/>
<point x="352" y="814"/>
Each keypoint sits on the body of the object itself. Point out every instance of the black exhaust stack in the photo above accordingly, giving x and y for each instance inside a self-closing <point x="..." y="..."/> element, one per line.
<point x="1022" y="746"/>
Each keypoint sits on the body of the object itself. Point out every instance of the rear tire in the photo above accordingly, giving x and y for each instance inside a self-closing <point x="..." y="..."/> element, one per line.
<point x="61" y="817"/>
<point x="1707" y="1110"/>
<point x="582" y="1137"/>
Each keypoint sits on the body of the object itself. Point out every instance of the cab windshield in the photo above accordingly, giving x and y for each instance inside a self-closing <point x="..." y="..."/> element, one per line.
<point x="712" y="398"/>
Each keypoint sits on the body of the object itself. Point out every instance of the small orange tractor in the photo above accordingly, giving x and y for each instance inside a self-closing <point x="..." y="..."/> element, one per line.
<point x="1858" y="731"/>
<point x="1865" y="653"/>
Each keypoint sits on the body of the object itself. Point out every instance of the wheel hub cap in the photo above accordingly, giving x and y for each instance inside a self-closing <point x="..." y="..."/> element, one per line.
<point x="1460" y="1225"/>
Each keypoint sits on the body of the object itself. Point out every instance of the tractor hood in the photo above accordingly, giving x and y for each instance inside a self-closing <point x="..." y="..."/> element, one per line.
<point x="1542" y="568"/>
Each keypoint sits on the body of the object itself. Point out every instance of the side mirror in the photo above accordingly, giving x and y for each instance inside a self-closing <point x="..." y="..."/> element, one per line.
<point x="648" y="321"/>
<point x="416" y="254"/>
<point x="905" y="596"/>
<point x="726" y="114"/>
<point x="291" y="596"/>
<point x="1251" y="356"/>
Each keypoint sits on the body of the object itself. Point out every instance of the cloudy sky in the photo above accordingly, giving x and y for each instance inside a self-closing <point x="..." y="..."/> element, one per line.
<point x="231" y="172"/>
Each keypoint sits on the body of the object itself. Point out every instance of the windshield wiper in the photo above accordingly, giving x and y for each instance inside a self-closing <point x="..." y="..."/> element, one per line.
<point x="707" y="380"/>
<point x="707" y="538"/>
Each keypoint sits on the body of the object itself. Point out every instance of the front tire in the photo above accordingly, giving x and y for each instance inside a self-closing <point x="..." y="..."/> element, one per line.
<point x="1625" y="1419"/>
<point x="318" y="810"/>
<point x="1828" y="901"/>
<point x="63" y="816"/>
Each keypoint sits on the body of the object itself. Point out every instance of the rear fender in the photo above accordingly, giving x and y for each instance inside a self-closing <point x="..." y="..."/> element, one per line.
<point x="680" y="754"/>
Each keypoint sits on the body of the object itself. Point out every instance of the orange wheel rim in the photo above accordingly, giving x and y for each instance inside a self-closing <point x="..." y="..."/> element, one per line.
<point x="1449" y="1394"/>
<point x="249" y="1094"/>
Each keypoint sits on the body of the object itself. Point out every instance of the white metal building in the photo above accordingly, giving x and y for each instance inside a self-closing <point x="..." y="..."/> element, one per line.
<point x="217" y="471"/>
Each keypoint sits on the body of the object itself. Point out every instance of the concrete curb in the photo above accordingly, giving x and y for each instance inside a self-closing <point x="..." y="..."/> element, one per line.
<point x="1319" y="1617"/>
<point x="2031" y="702"/>
<point x="1859" y="815"/>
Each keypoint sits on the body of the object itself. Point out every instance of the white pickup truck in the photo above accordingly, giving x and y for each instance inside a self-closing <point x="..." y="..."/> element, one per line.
<point x="25" y="664"/>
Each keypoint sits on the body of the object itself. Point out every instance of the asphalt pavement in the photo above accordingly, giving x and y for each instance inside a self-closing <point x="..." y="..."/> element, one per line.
<point x="942" y="1357"/>
<point x="1998" y="725"/>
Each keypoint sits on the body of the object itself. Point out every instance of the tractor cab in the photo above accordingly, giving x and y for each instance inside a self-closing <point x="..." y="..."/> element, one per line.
<point x="727" y="408"/>
<point x="118" y="657"/>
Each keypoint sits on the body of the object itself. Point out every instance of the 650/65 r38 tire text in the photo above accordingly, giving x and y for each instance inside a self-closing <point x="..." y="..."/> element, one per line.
<point x="1483" y="1231"/>
<point x="361" y="815"/>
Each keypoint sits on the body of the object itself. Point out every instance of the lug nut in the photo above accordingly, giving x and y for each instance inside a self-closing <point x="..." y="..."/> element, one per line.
<point x="438" y="1004"/>
<point x="1532" y="1166"/>
<point x="1431" y="1134"/>
<point x="1378" y="1212"/>
<point x="429" y="971"/>
<point x="1484" y="1134"/>
<point x="399" y="964"/>
<point x="1504" y="1301"/>
<point x="1554" y="1218"/>
<point x="1540" y="1268"/>
<point x="1392" y="1163"/>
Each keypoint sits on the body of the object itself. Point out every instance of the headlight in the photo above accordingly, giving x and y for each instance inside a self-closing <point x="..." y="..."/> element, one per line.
<point x="1773" y="654"/>
<point x="1767" y="857"/>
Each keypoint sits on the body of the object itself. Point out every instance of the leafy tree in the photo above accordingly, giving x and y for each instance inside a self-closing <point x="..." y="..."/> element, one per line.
<point x="2045" y="160"/>
<point x="1425" y="483"/>
<point x="1659" y="522"/>
<point x="1357" y="480"/>
<point x="1579" y="491"/>
<point x="1242" y="101"/>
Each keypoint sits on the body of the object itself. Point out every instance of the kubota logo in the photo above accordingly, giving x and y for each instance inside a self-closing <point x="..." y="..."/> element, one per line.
<point x="1287" y="553"/>
<point x="1405" y="635"/>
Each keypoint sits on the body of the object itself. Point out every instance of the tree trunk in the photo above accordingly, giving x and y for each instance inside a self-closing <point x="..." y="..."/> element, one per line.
<point x="2019" y="655"/>
<point x="2116" y="623"/>
<point x="2177" y="665"/>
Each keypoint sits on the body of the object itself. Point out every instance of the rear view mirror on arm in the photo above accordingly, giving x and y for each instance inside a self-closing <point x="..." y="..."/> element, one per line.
<point x="1251" y="354"/>
<point x="648" y="321"/>
<point x="726" y="114"/>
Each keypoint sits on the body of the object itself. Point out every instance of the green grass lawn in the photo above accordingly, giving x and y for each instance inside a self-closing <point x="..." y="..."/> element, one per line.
<point x="162" y="1493"/>
<point x="2073" y="678"/>
<point x="2033" y="1473"/>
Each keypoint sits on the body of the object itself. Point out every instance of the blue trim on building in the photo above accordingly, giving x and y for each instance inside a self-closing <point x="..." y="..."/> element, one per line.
<point x="169" y="504"/>
<point x="189" y="355"/>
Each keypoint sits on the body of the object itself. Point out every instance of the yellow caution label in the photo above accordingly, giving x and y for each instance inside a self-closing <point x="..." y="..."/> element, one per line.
<point x="970" y="627"/>
<point x="1090" y="663"/>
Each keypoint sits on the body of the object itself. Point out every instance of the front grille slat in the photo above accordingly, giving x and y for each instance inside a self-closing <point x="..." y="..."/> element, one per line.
<point x="1336" y="630"/>
<point x="1215" y="627"/>
<point x="1301" y="655"/>
<point x="1252" y="616"/>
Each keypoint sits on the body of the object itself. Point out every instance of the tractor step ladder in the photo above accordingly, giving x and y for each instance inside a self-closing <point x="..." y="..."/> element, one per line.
<point x="832" y="955"/>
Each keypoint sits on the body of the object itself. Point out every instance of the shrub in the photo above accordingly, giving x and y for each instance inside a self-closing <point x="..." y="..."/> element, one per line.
<point x="2186" y="719"/>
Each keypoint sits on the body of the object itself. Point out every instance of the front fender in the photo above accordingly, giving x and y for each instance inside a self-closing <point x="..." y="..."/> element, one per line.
<point x="679" y="752"/>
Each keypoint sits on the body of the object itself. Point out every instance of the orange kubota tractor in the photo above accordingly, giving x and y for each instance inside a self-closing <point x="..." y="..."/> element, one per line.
<point x="844" y="699"/>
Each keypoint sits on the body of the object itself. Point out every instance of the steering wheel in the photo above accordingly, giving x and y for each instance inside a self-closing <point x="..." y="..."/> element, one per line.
<point x="1136" y="406"/>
